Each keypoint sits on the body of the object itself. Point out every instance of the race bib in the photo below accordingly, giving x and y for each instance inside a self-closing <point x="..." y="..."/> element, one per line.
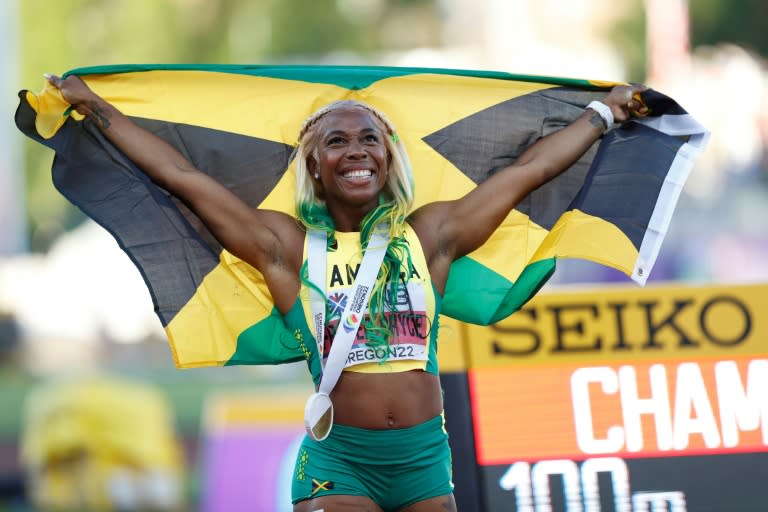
<point x="409" y="325"/>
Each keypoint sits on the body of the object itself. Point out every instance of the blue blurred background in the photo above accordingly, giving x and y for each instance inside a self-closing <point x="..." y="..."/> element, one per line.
<point x="71" y="304"/>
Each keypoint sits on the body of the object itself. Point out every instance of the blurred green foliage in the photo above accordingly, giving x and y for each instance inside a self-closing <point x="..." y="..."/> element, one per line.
<point x="742" y="22"/>
<point x="712" y="22"/>
<point x="65" y="34"/>
<point x="628" y="36"/>
<point x="186" y="391"/>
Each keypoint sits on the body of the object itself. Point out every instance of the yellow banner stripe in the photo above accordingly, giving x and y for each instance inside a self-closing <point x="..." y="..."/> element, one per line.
<point x="618" y="324"/>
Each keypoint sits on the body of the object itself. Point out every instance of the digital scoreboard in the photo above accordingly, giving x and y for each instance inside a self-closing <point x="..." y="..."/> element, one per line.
<point x="617" y="399"/>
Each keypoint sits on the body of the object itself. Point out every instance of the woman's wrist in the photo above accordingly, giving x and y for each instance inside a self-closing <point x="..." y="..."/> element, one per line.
<point x="604" y="111"/>
<point x="98" y="110"/>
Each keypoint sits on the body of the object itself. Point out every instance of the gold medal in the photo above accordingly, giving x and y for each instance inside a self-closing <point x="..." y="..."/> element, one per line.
<point x="318" y="416"/>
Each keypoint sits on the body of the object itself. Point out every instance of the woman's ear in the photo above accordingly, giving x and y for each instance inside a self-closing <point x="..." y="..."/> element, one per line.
<point x="314" y="177"/>
<point x="312" y="169"/>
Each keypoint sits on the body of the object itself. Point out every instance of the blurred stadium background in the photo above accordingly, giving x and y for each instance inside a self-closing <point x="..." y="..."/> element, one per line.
<point x="73" y="307"/>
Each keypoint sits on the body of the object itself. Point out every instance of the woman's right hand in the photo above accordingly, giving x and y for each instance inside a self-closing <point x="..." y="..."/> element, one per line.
<point x="625" y="102"/>
<point x="74" y="91"/>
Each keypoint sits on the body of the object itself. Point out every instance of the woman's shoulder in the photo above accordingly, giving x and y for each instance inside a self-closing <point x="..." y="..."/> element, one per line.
<point x="422" y="223"/>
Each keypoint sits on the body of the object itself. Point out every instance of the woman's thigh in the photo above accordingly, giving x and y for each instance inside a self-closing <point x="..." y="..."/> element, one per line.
<point x="338" y="502"/>
<point x="437" y="504"/>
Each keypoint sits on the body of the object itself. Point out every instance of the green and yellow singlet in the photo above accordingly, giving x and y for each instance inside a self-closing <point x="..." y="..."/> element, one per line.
<point x="414" y="324"/>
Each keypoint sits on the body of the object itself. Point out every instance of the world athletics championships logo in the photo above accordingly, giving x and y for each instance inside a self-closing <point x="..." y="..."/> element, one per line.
<point x="349" y="322"/>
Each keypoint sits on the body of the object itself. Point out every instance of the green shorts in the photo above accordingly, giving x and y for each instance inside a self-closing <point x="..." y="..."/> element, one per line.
<point x="392" y="467"/>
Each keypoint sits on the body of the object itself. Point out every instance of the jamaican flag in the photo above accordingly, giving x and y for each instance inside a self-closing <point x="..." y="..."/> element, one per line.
<point x="240" y="123"/>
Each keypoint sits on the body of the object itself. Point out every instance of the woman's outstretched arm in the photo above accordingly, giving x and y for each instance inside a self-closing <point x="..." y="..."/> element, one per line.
<point x="452" y="229"/>
<point x="270" y="241"/>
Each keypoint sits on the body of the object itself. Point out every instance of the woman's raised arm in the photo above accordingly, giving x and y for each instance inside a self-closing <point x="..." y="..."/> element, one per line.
<point x="451" y="229"/>
<point x="270" y="241"/>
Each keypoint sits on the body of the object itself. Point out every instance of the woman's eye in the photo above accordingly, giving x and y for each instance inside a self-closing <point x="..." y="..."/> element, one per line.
<point x="371" y="138"/>
<point x="335" y="140"/>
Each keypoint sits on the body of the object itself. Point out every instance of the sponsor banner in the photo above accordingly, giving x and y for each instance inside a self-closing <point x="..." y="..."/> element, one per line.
<point x="630" y="409"/>
<point x="611" y="324"/>
<point x="733" y="483"/>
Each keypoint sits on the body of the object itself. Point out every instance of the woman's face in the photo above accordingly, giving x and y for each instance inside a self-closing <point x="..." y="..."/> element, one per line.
<point x="352" y="158"/>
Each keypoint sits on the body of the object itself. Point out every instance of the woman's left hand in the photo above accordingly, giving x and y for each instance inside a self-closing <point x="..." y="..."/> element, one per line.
<point x="624" y="101"/>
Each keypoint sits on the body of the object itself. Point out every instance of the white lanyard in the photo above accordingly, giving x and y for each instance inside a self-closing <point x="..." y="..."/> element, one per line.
<point x="318" y="412"/>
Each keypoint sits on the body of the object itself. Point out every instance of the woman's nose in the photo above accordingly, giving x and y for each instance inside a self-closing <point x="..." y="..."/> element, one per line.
<point x="356" y="150"/>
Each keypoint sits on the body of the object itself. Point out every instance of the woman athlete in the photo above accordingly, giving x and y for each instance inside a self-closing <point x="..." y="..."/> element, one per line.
<point x="387" y="450"/>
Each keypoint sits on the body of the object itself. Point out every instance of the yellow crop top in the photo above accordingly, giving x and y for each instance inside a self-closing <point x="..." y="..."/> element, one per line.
<point x="414" y="326"/>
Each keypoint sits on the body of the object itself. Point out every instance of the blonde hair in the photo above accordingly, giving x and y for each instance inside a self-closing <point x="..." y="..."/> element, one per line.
<point x="395" y="204"/>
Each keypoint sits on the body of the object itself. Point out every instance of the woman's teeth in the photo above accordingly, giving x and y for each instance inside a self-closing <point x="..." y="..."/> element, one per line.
<point x="359" y="173"/>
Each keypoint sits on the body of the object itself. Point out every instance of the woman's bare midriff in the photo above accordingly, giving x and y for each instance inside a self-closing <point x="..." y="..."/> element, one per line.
<point x="383" y="401"/>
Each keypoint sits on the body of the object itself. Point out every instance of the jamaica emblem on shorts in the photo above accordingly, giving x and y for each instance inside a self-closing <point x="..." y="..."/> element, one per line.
<point x="318" y="486"/>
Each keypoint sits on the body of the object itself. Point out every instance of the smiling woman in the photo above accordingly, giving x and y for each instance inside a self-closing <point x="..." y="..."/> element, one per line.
<point x="377" y="375"/>
<point x="346" y="150"/>
<point x="350" y="162"/>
